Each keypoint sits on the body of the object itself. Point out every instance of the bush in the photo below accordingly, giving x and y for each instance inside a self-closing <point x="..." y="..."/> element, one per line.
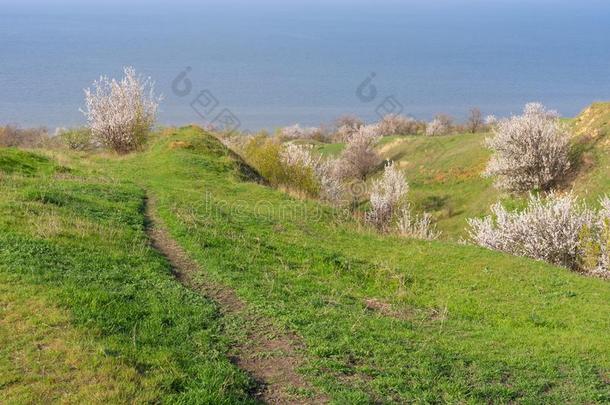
<point x="596" y="243"/>
<point x="442" y="124"/>
<point x="76" y="139"/>
<point x="388" y="195"/>
<point x="13" y="136"/>
<point x="121" y="114"/>
<point x="390" y="210"/>
<point x="359" y="156"/>
<point x="555" y="228"/>
<point x="263" y="153"/>
<point x="530" y="151"/>
<point x="300" y="168"/>
<point x="297" y="132"/>
<point x="394" y="124"/>
<point x="347" y="126"/>
<point x="413" y="226"/>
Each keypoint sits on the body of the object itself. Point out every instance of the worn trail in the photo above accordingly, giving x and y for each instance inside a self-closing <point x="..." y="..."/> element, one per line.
<point x="270" y="356"/>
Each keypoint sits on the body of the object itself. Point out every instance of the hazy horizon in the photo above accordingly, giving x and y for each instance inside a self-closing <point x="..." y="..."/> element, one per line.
<point x="275" y="64"/>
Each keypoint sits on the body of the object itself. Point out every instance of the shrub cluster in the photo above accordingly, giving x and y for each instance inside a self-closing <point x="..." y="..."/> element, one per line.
<point x="346" y="126"/>
<point x="359" y="157"/>
<point x="390" y="210"/>
<point x="555" y="228"/>
<point x="442" y="124"/>
<point x="395" y="124"/>
<point x="121" y="113"/>
<point x="13" y="136"/>
<point x="530" y="151"/>
<point x="79" y="139"/>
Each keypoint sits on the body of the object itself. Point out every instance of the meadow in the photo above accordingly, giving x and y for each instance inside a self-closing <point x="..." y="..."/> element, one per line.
<point x="91" y="308"/>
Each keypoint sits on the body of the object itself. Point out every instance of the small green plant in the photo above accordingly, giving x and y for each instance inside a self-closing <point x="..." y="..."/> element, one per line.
<point x="76" y="138"/>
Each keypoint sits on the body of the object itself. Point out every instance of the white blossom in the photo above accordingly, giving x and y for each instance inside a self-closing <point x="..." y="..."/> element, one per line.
<point x="491" y="120"/>
<point x="298" y="155"/>
<point x="346" y="127"/>
<point x="297" y="132"/>
<point x="395" y="124"/>
<point x="325" y="171"/>
<point x="548" y="229"/>
<point x="530" y="151"/>
<point x="121" y="113"/>
<point x="359" y="156"/>
<point x="420" y="227"/>
<point x="387" y="195"/>
<point x="440" y="125"/>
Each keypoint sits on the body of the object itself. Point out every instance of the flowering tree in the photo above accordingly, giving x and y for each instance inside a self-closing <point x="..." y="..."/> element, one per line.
<point x="303" y="168"/>
<point x="440" y="125"/>
<point x="359" y="156"/>
<point x="555" y="228"/>
<point x="297" y="132"/>
<point x="395" y="124"/>
<point x="121" y="113"/>
<point x="346" y="126"/>
<point x="388" y="194"/>
<point x="390" y="210"/>
<point x="530" y="151"/>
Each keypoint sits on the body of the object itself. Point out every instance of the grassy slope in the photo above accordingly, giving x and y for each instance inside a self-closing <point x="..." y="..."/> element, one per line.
<point x="592" y="131"/>
<point x="444" y="173"/>
<point x="92" y="313"/>
<point x="383" y="318"/>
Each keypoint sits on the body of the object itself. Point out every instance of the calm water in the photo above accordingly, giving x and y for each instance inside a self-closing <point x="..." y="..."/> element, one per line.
<point x="274" y="64"/>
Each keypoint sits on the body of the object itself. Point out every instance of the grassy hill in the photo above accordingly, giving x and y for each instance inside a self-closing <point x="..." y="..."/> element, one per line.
<point x="381" y="319"/>
<point x="444" y="173"/>
<point x="592" y="136"/>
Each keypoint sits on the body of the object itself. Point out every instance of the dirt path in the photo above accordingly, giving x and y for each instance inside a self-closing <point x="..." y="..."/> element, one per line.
<point x="269" y="356"/>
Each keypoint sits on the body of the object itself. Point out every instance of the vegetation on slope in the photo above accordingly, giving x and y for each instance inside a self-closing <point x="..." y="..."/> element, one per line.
<point x="592" y="139"/>
<point x="382" y="319"/>
<point x="89" y="312"/>
<point x="444" y="172"/>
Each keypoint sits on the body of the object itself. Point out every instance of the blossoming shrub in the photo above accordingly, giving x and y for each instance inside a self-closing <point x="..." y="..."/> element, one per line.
<point x="388" y="194"/>
<point x="556" y="228"/>
<point x="300" y="168"/>
<point x="530" y="151"/>
<point x="121" y="113"/>
<point x="395" y="124"/>
<point x="414" y="226"/>
<point x="441" y="125"/>
<point x="297" y="132"/>
<point x="390" y="210"/>
<point x="359" y="156"/>
<point x="346" y="126"/>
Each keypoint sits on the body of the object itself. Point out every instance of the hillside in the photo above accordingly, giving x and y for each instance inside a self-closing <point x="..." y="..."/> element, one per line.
<point x="592" y="135"/>
<point x="444" y="172"/>
<point x="372" y="318"/>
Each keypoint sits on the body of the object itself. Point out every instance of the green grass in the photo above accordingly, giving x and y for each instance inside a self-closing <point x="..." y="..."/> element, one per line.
<point x="592" y="129"/>
<point x="444" y="175"/>
<point x="383" y="319"/>
<point x="78" y="243"/>
<point x="27" y="163"/>
<point x="444" y="172"/>
<point x="466" y="324"/>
